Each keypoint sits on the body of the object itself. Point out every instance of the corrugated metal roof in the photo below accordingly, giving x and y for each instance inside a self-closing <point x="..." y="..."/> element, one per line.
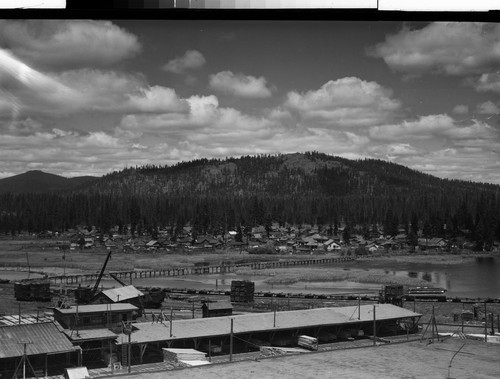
<point x="11" y="320"/>
<point x="45" y="338"/>
<point x="90" y="334"/>
<point x="97" y="308"/>
<point x="121" y="293"/>
<point x="258" y="322"/>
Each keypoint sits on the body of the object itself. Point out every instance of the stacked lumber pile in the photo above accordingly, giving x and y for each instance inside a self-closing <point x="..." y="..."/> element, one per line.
<point x="273" y="351"/>
<point x="188" y="357"/>
<point x="242" y="291"/>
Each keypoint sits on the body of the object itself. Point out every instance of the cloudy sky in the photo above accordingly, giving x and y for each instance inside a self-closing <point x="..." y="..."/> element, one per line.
<point x="89" y="97"/>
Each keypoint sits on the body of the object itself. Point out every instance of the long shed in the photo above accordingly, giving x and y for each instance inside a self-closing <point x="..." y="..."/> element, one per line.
<point x="47" y="348"/>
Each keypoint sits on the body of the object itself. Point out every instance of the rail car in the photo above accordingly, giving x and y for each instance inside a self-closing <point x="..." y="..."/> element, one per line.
<point x="426" y="293"/>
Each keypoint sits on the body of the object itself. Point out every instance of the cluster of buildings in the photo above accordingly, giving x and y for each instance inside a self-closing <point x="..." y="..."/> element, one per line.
<point x="110" y="337"/>
<point x="276" y="239"/>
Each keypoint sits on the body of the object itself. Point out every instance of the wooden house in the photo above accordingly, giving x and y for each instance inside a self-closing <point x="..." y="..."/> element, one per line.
<point x="217" y="309"/>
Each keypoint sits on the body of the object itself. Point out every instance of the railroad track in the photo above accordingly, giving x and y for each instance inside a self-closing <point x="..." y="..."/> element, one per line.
<point x="183" y="292"/>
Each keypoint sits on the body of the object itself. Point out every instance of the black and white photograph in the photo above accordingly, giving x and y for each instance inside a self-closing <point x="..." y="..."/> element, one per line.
<point x="278" y="196"/>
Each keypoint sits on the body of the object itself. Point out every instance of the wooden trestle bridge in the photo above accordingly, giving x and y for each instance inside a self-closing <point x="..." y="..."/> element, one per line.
<point x="195" y="270"/>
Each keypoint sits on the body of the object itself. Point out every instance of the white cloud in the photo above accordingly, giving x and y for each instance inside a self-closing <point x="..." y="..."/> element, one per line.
<point x="452" y="48"/>
<point x="240" y="85"/>
<point x="157" y="99"/>
<point x="68" y="43"/>
<point x="69" y="153"/>
<point x="436" y="128"/>
<point x="393" y="151"/>
<point x="488" y="83"/>
<point x="33" y="89"/>
<point x="424" y="128"/>
<point x="475" y="164"/>
<point x="191" y="60"/>
<point x="488" y="107"/>
<point x="461" y="109"/>
<point x="346" y="102"/>
<point x="29" y="92"/>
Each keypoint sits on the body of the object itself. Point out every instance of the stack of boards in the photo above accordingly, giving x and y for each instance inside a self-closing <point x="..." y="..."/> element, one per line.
<point x="242" y="291"/>
<point x="189" y="357"/>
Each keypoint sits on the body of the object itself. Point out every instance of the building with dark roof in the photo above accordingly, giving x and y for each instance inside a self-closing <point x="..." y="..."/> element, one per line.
<point x="95" y="316"/>
<point x="217" y="309"/>
<point x="48" y="350"/>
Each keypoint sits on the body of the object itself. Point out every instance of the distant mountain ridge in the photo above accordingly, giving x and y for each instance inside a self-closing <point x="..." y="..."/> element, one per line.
<point x="37" y="181"/>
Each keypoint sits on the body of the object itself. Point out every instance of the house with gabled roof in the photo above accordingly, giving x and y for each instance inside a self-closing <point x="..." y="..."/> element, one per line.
<point x="331" y="245"/>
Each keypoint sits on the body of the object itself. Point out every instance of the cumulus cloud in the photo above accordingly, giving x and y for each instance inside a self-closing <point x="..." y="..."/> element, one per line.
<point x="240" y="85"/>
<point x="488" y="83"/>
<point x="463" y="163"/>
<point x="209" y="130"/>
<point x="68" y="43"/>
<point x="191" y="60"/>
<point x="451" y="48"/>
<point x="434" y="127"/>
<point x="67" y="153"/>
<point x="461" y="109"/>
<point x="157" y="99"/>
<point x="423" y="128"/>
<point x="488" y="107"/>
<point x="28" y="91"/>
<point x="36" y="89"/>
<point x="346" y="102"/>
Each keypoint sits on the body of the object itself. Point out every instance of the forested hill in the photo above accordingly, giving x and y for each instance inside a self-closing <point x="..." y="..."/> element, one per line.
<point x="219" y="195"/>
<point x="279" y="175"/>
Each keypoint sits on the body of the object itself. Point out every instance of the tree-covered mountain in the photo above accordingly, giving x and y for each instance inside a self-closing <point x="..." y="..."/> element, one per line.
<point x="39" y="181"/>
<point x="219" y="195"/>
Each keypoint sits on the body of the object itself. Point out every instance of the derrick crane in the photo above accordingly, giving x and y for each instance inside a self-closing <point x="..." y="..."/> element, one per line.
<point x="86" y="294"/>
<point x="117" y="279"/>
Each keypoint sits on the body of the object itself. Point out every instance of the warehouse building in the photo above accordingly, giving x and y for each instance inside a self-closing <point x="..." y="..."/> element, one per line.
<point x="42" y="346"/>
<point x="213" y="334"/>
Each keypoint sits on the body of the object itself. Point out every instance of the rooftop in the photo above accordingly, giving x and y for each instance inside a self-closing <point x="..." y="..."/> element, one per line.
<point x="89" y="334"/>
<point x="259" y="322"/>
<point x="97" y="308"/>
<point x="41" y="338"/>
<point x="122" y="293"/>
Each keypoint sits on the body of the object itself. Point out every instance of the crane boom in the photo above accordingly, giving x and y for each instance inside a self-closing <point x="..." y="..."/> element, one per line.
<point x="96" y="285"/>
<point x="116" y="278"/>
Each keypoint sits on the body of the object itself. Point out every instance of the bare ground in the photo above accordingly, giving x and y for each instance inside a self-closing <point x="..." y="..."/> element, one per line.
<point x="407" y="360"/>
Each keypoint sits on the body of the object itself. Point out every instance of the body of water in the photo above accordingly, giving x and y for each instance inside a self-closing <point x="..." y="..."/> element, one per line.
<point x="478" y="278"/>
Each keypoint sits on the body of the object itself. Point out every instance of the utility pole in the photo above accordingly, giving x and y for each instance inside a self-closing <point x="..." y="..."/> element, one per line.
<point x="23" y="361"/>
<point x="485" y="323"/>
<point x="129" y="352"/>
<point x="171" y="320"/>
<point x="374" y="327"/>
<point x="231" y="342"/>
<point x="274" y="324"/>
<point x="359" y="307"/>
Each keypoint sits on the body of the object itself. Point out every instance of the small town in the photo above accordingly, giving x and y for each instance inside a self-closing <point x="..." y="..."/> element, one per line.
<point x="303" y="239"/>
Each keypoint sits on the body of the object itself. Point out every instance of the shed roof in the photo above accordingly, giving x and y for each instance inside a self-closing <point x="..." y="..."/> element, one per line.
<point x="43" y="338"/>
<point x="97" y="308"/>
<point x="219" y="305"/>
<point x="121" y="293"/>
<point x="259" y="322"/>
<point x="89" y="334"/>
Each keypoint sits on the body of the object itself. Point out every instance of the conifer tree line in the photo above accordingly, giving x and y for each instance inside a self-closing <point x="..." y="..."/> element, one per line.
<point x="215" y="196"/>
